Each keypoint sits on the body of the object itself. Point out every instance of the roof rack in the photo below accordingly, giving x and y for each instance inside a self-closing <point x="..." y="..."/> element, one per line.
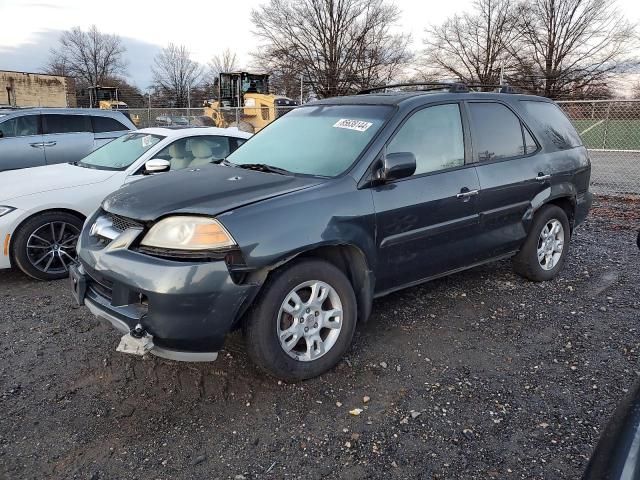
<point x="452" y="87"/>
<point x="504" y="88"/>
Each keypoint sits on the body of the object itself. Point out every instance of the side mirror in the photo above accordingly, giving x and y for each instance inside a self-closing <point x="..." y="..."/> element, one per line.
<point x="396" y="166"/>
<point x="156" y="165"/>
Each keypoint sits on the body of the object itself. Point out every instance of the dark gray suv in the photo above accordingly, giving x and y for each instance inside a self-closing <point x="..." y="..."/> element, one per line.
<point x="33" y="137"/>
<point x="336" y="203"/>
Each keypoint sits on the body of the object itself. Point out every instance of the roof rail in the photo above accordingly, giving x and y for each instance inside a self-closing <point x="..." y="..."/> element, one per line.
<point x="453" y="87"/>
<point x="504" y="88"/>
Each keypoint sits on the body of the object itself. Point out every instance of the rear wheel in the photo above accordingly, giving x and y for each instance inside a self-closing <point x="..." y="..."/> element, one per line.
<point x="545" y="249"/>
<point x="45" y="245"/>
<point x="303" y="322"/>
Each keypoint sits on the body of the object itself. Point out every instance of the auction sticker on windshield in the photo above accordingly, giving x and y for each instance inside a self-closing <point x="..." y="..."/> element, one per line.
<point x="146" y="141"/>
<point x="358" y="125"/>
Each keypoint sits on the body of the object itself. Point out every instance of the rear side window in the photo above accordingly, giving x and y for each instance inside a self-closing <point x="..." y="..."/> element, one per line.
<point x="554" y="122"/>
<point x="106" y="124"/>
<point x="497" y="132"/>
<point x="66" y="123"/>
<point x="23" y="126"/>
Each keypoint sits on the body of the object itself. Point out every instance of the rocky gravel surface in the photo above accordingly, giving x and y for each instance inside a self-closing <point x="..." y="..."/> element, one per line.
<point x="478" y="375"/>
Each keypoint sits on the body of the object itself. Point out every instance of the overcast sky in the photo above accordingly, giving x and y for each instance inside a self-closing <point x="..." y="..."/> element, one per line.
<point x="29" y="28"/>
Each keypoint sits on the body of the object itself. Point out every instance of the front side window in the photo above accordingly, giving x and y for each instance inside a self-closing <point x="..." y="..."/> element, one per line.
<point x="66" y="123"/>
<point x="322" y="140"/>
<point x="555" y="123"/>
<point x="23" y="126"/>
<point x="435" y="136"/>
<point x="121" y="152"/>
<point x="195" y="151"/>
<point x="497" y="132"/>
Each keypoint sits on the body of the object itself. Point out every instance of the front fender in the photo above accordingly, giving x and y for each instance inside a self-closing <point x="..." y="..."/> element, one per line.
<point x="275" y="230"/>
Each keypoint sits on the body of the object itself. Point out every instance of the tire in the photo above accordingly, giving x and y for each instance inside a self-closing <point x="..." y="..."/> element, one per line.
<point x="28" y="251"/>
<point x="526" y="262"/>
<point x="267" y="321"/>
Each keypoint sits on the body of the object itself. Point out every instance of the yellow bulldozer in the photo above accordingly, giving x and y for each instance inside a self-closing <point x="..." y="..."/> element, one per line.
<point x="244" y="102"/>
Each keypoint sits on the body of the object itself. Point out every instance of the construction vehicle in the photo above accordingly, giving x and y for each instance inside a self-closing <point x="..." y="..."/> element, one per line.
<point x="106" y="98"/>
<point x="244" y="102"/>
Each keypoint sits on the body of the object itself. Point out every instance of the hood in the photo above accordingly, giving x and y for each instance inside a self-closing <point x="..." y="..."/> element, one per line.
<point x="29" y="181"/>
<point x="209" y="190"/>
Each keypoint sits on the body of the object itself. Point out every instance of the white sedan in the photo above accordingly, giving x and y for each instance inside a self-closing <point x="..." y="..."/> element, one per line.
<point x="42" y="209"/>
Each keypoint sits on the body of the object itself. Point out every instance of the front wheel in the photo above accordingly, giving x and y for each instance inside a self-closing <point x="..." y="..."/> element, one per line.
<point x="303" y="322"/>
<point x="545" y="249"/>
<point x="44" y="246"/>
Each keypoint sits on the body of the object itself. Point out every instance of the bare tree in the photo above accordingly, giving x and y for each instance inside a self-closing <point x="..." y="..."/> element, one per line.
<point x="572" y="45"/>
<point x="227" y="61"/>
<point x="90" y="56"/>
<point x="474" y="46"/>
<point x="175" y="74"/>
<point x="338" y="46"/>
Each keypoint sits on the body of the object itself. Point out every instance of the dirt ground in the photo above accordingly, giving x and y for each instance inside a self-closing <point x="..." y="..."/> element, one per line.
<point x="479" y="375"/>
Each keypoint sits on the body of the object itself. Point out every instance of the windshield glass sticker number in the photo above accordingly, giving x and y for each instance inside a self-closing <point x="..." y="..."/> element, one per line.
<point x="357" y="125"/>
<point x="146" y="141"/>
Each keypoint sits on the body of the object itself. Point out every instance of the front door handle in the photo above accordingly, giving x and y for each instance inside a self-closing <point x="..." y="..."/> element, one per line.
<point x="465" y="193"/>
<point x="541" y="177"/>
<point x="49" y="144"/>
<point x="37" y="145"/>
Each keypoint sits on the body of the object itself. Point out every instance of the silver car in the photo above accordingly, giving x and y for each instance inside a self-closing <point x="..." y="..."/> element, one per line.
<point x="34" y="137"/>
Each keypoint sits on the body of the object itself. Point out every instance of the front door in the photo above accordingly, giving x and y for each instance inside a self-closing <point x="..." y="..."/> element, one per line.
<point x="426" y="223"/>
<point x="21" y="143"/>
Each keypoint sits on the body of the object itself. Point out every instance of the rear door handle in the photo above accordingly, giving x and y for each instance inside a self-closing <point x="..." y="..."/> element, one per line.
<point x="37" y="145"/>
<point x="49" y="144"/>
<point x="541" y="176"/>
<point x="466" y="193"/>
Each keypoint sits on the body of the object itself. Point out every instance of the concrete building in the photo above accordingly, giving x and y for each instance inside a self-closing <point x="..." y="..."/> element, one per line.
<point x="23" y="89"/>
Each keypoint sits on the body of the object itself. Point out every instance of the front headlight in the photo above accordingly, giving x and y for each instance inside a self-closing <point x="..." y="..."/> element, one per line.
<point x="4" y="209"/>
<point x="188" y="233"/>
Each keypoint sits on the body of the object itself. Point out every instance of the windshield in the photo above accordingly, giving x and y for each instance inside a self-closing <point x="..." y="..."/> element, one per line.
<point x="121" y="152"/>
<point x="323" y="140"/>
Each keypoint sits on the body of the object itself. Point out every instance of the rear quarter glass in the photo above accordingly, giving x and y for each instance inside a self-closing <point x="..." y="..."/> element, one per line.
<point x="555" y="124"/>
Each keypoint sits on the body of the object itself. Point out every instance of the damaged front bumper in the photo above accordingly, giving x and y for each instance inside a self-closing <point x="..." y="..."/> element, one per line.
<point x="173" y="309"/>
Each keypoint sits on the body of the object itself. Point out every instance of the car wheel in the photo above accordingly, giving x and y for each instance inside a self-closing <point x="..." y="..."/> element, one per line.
<point x="545" y="249"/>
<point x="303" y="322"/>
<point x="44" y="246"/>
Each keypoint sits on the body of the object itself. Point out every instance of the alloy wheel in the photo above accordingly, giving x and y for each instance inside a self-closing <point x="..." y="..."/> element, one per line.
<point x="51" y="248"/>
<point x="550" y="244"/>
<point x="309" y="320"/>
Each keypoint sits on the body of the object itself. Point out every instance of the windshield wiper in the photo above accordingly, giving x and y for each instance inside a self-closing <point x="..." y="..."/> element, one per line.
<point x="261" y="167"/>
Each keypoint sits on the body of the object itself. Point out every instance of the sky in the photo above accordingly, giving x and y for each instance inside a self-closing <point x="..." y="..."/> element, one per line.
<point x="206" y="27"/>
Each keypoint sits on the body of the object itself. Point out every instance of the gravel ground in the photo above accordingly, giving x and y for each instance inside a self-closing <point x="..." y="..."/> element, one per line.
<point x="479" y="375"/>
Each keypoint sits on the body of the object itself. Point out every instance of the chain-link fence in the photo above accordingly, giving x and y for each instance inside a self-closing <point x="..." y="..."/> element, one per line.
<point x="611" y="131"/>
<point x="250" y="119"/>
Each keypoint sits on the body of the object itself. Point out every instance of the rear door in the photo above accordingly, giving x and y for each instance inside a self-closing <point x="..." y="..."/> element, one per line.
<point x="67" y="137"/>
<point x="511" y="174"/>
<point x="106" y="129"/>
<point x="21" y="142"/>
<point x="426" y="223"/>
